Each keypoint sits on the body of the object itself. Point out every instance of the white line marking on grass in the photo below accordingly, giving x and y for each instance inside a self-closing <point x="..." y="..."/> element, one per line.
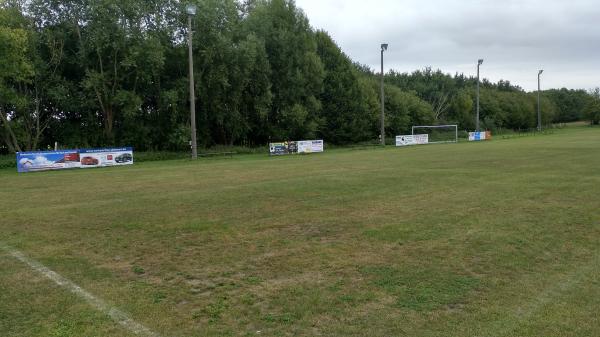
<point x="117" y="315"/>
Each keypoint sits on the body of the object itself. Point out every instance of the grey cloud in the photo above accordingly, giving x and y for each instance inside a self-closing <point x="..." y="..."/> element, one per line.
<point x="515" y="37"/>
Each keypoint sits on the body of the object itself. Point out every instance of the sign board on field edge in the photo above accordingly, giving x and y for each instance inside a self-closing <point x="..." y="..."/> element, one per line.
<point x="479" y="136"/>
<point x="293" y="147"/>
<point x="407" y="140"/>
<point x="65" y="159"/>
<point x="310" y="146"/>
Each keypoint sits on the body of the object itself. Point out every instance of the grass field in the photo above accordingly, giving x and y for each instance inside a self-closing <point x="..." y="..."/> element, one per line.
<point x="473" y="239"/>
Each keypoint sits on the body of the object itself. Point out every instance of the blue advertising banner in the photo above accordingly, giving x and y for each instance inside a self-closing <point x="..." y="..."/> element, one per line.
<point x="66" y="159"/>
<point x="479" y="136"/>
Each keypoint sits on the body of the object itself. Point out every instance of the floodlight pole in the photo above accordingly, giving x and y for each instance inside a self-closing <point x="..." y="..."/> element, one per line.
<point x="479" y="62"/>
<point x="384" y="47"/>
<point x="191" y="10"/>
<point x="539" y="127"/>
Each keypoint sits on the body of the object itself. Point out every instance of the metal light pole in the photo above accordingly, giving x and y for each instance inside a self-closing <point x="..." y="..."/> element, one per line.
<point x="384" y="47"/>
<point x="191" y="11"/>
<point x="477" y="118"/>
<point x="538" y="105"/>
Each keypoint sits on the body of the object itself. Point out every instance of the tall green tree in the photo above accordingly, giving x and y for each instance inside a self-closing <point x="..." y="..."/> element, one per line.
<point x="569" y="104"/>
<point x="461" y="110"/>
<point x="16" y="74"/>
<point x="233" y="69"/>
<point x="592" y="108"/>
<point x="347" y="115"/>
<point x="296" y="70"/>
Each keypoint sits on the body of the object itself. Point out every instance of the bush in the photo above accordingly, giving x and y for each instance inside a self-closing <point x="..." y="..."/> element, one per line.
<point x="8" y="161"/>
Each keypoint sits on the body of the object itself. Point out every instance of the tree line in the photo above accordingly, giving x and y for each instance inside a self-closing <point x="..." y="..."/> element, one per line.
<point x="91" y="73"/>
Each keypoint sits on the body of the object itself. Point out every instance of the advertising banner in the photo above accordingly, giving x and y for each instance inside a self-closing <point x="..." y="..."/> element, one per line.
<point x="310" y="146"/>
<point x="292" y="147"/>
<point x="47" y="160"/>
<point x="479" y="136"/>
<point x="282" y="148"/>
<point x="66" y="159"/>
<point x="407" y="140"/>
<point x="421" y="139"/>
<point x="106" y="157"/>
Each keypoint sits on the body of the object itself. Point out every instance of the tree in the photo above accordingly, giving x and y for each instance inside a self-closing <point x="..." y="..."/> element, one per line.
<point x="592" y="108"/>
<point x="403" y="110"/>
<point x="569" y="104"/>
<point x="296" y="69"/>
<point x="16" y="72"/>
<point x="434" y="87"/>
<point x="347" y="116"/>
<point x="461" y="110"/>
<point x="233" y="75"/>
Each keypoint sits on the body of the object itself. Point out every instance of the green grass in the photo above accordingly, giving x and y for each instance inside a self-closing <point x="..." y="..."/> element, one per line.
<point x="500" y="238"/>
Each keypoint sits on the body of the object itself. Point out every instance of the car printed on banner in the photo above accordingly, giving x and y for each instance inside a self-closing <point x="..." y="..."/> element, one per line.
<point x="89" y="161"/>
<point x="124" y="158"/>
<point x="71" y="157"/>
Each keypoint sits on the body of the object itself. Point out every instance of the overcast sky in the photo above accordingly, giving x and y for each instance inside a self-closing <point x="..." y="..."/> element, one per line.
<point x="515" y="37"/>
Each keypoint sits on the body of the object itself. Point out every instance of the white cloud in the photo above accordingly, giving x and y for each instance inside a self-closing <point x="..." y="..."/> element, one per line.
<point x="41" y="160"/>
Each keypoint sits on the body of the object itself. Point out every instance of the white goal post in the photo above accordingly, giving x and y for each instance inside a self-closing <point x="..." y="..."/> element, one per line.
<point x="450" y="131"/>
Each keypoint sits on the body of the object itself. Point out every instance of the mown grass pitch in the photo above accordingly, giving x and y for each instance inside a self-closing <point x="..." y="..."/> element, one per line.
<point x="488" y="239"/>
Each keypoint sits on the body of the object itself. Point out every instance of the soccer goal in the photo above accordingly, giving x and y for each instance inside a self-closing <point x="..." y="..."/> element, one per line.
<point x="437" y="133"/>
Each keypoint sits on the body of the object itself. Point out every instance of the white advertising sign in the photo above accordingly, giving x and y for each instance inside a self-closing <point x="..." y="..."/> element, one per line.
<point x="310" y="146"/>
<point x="407" y="140"/>
<point x="421" y="139"/>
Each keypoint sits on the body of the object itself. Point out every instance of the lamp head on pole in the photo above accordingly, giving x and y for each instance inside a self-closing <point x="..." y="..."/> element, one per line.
<point x="541" y="71"/>
<point x="480" y="62"/>
<point x="191" y="9"/>
<point x="384" y="46"/>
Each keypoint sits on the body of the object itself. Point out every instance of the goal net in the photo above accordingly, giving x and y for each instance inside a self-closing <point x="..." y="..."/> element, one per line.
<point x="437" y="133"/>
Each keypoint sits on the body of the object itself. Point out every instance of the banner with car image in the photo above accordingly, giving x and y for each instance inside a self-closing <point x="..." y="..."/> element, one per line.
<point x="106" y="157"/>
<point x="66" y="159"/>
<point x="47" y="160"/>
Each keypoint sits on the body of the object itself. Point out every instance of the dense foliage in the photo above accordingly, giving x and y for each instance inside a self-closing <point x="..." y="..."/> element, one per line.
<point x="114" y="72"/>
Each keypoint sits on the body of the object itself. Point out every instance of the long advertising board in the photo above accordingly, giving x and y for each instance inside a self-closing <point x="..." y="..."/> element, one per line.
<point x="293" y="147"/>
<point x="407" y="140"/>
<point x="479" y="136"/>
<point x="66" y="159"/>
